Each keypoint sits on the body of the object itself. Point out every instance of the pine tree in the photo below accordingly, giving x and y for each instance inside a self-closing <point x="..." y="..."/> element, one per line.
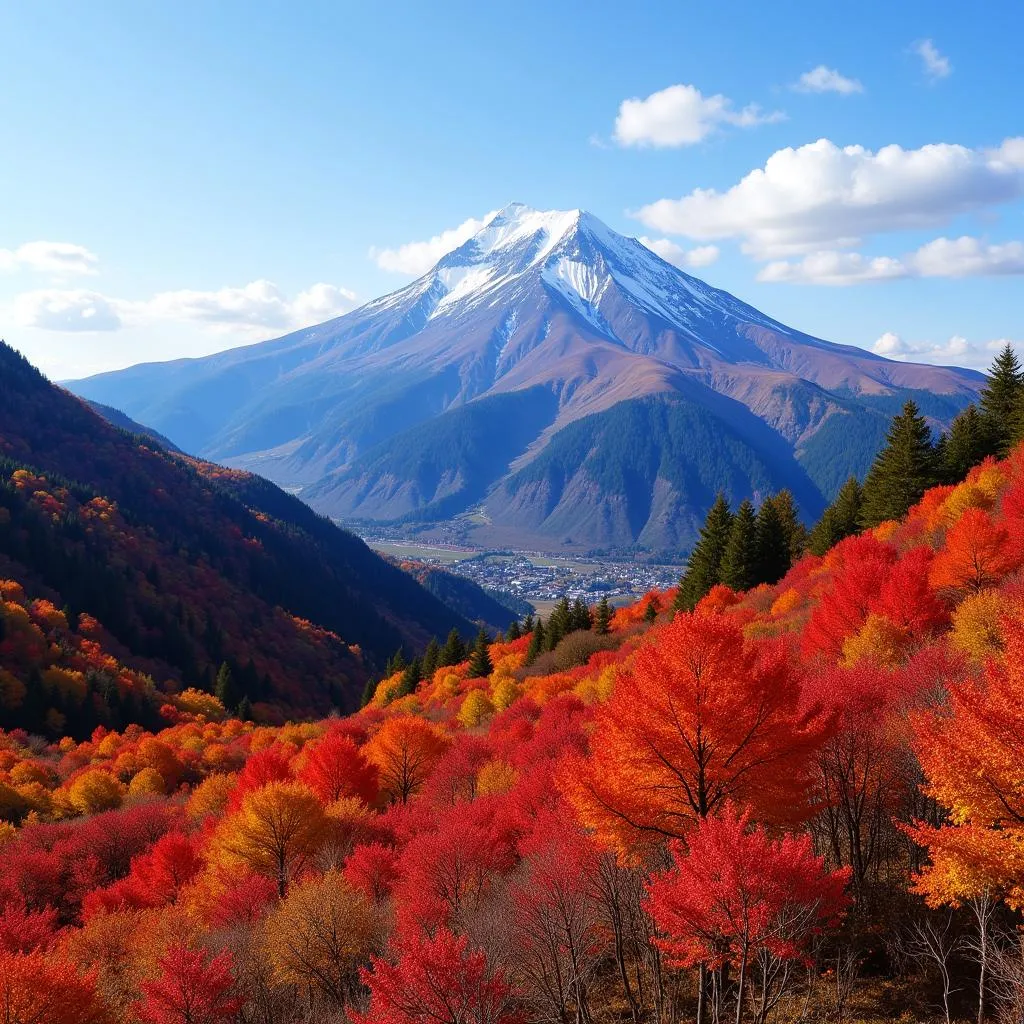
<point x="537" y="641"/>
<point x="704" y="566"/>
<point x="739" y="561"/>
<point x="514" y="632"/>
<point x="650" y="612"/>
<point x="1001" y="402"/>
<point x="559" y="622"/>
<point x="603" y="618"/>
<point x="902" y="471"/>
<point x="580" y="617"/>
<point x="245" y="709"/>
<point x="396" y="663"/>
<point x="411" y="678"/>
<point x="454" y="650"/>
<point x="224" y="688"/>
<point x="772" y="558"/>
<point x="841" y="519"/>
<point x="368" y="691"/>
<point x="480" y="659"/>
<point x="964" y="446"/>
<point x="528" y="624"/>
<point x="796" y="532"/>
<point x="431" y="658"/>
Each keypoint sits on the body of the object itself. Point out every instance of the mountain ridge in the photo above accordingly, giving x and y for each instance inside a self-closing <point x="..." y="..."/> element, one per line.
<point x="549" y="300"/>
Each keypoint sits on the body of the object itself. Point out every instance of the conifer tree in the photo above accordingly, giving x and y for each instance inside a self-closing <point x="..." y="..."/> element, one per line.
<point x="396" y="663"/>
<point x="224" y="688"/>
<point x="739" y="561"/>
<point x="794" y="529"/>
<point x="431" y="658"/>
<point x="245" y="709"/>
<point x="528" y="624"/>
<point x="704" y="567"/>
<point x="650" y="612"/>
<point x="580" y="617"/>
<point x="368" y="691"/>
<point x="454" y="650"/>
<point x="480" y="659"/>
<point x="964" y="446"/>
<point x="1001" y="402"/>
<point x="559" y="623"/>
<point x="514" y="631"/>
<point x="411" y="678"/>
<point x="603" y="618"/>
<point x="841" y="519"/>
<point x="772" y="539"/>
<point x="537" y="642"/>
<point x="902" y="471"/>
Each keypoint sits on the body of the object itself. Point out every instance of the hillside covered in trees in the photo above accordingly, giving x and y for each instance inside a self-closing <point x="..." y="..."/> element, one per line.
<point x="132" y="574"/>
<point x="799" y="801"/>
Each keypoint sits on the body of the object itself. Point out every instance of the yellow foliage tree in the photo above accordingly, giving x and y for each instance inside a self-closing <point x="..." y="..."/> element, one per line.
<point x="320" y="936"/>
<point x="879" y="640"/>
<point x="976" y="625"/>
<point x="210" y="796"/>
<point x="476" y="706"/>
<point x="495" y="777"/>
<point x="95" y="790"/>
<point x="278" y="828"/>
<point x="148" y="782"/>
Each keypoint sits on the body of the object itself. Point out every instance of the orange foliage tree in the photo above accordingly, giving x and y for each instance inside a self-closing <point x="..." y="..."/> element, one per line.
<point x="703" y="716"/>
<point x="405" y="750"/>
<point x="977" y="554"/>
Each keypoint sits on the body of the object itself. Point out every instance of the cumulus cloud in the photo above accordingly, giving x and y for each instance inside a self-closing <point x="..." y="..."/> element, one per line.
<point x="943" y="257"/>
<point x="416" y="258"/>
<point x="672" y="252"/>
<point x="59" y="258"/>
<point x="821" y="196"/>
<point x="823" y="79"/>
<point x="254" y="310"/>
<point x="935" y="65"/>
<point x="956" y="350"/>
<point x="74" y="310"/>
<point x="830" y="267"/>
<point x="681" y="116"/>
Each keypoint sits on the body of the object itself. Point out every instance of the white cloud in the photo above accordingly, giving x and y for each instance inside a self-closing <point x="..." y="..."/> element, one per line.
<point x="957" y="350"/>
<point x="935" y="65"/>
<point x="830" y="267"/>
<point x="821" y="196"/>
<point x="416" y="258"/>
<point x="823" y="79"/>
<point x="943" y="257"/>
<point x="255" y="310"/>
<point x="74" y="310"/>
<point x="49" y="257"/>
<point x="968" y="257"/>
<point x="681" y="116"/>
<point x="672" y="252"/>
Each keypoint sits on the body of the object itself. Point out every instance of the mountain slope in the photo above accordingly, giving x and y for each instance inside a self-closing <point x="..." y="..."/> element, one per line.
<point x="186" y="565"/>
<point x="536" y="302"/>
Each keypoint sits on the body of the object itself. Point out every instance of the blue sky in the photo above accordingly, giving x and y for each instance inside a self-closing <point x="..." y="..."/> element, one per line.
<point x="179" y="178"/>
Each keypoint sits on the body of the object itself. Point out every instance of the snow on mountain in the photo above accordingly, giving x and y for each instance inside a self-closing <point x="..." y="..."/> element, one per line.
<point x="398" y="409"/>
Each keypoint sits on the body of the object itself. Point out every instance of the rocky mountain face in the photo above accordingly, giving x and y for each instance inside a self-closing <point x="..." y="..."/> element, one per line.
<point x="555" y="384"/>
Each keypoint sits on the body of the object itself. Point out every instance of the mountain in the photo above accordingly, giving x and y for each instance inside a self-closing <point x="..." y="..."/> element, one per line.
<point x="551" y="382"/>
<point x="171" y="567"/>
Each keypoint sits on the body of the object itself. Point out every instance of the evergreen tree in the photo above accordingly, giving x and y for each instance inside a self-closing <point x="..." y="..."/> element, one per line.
<point x="841" y="519"/>
<point x="580" y="617"/>
<point x="772" y="559"/>
<point x="964" y="446"/>
<point x="902" y="471"/>
<point x="794" y="529"/>
<point x="528" y="624"/>
<point x="739" y="560"/>
<point x="224" y="688"/>
<point x="368" y="691"/>
<point x="537" y="642"/>
<point x="603" y="618"/>
<point x="245" y="709"/>
<point x="454" y="650"/>
<point x="411" y="678"/>
<point x="651" y="611"/>
<point x="514" y="631"/>
<point x="480" y="658"/>
<point x="559" y="623"/>
<point x="1001" y="402"/>
<point x="704" y="566"/>
<point x="431" y="658"/>
<point x="396" y="663"/>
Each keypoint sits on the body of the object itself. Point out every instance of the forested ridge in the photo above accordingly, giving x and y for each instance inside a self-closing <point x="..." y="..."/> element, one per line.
<point x="145" y="574"/>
